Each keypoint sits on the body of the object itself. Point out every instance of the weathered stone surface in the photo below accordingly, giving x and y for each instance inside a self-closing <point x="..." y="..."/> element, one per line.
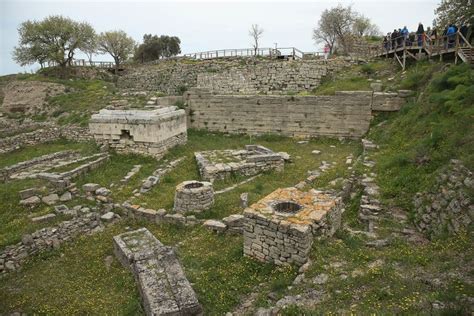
<point x="44" y="218"/>
<point x="345" y="114"/>
<point x="108" y="217"/>
<point x="66" y="196"/>
<point x="27" y="193"/>
<point x="147" y="132"/>
<point x="280" y="228"/>
<point x="90" y="187"/>
<point x="214" y="225"/>
<point x="162" y="283"/>
<point x="34" y="200"/>
<point x="50" y="199"/>
<point x="219" y="164"/>
<point x="50" y="237"/>
<point x="193" y="196"/>
<point x="448" y="206"/>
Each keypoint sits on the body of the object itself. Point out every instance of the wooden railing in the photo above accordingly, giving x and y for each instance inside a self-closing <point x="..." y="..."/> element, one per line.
<point x="251" y="52"/>
<point x="86" y="63"/>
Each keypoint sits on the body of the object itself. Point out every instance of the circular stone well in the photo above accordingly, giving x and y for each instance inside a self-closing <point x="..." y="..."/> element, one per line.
<point x="287" y="207"/>
<point x="193" y="196"/>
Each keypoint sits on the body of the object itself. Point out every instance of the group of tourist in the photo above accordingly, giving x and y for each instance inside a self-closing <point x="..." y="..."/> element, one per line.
<point x="446" y="39"/>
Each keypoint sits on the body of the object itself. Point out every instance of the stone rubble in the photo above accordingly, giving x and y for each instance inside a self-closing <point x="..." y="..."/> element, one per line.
<point x="220" y="164"/>
<point x="448" y="207"/>
<point x="163" y="286"/>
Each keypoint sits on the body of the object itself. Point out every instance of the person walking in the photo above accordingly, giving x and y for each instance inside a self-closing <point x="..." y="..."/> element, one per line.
<point x="394" y="39"/>
<point x="451" y="33"/>
<point x="420" y="32"/>
<point x="327" y="49"/>
<point x="404" y="32"/>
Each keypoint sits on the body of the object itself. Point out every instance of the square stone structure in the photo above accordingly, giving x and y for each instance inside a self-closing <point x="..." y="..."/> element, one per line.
<point x="281" y="227"/>
<point x="140" y="131"/>
<point x="219" y="164"/>
<point x="163" y="286"/>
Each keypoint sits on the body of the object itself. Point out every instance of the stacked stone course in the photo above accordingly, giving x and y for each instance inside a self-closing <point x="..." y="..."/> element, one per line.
<point x="280" y="228"/>
<point x="47" y="238"/>
<point x="43" y="135"/>
<point x="448" y="207"/>
<point x="146" y="132"/>
<point x="193" y="196"/>
<point x="346" y="114"/>
<point x="220" y="164"/>
<point x="232" y="76"/>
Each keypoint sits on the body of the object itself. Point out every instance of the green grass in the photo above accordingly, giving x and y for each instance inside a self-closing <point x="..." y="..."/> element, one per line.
<point x="220" y="274"/>
<point x="162" y="195"/>
<point x="28" y="153"/>
<point x="420" y="139"/>
<point x="358" y="78"/>
<point x="399" y="284"/>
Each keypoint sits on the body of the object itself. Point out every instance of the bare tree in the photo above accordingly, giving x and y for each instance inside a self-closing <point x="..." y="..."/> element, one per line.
<point x="255" y="32"/>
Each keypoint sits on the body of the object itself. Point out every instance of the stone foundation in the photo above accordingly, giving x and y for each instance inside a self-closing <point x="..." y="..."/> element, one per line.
<point x="280" y="228"/>
<point x="145" y="132"/>
<point x="193" y="196"/>
<point x="162" y="283"/>
<point x="43" y="135"/>
<point x="219" y="164"/>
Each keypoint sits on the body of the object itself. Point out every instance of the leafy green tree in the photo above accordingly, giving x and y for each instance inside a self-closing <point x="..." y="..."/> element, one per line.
<point x="116" y="43"/>
<point x="54" y="39"/>
<point x="154" y="47"/>
<point x="459" y="12"/>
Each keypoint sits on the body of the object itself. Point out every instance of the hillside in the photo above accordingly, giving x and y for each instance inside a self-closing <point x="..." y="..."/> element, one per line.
<point x="404" y="192"/>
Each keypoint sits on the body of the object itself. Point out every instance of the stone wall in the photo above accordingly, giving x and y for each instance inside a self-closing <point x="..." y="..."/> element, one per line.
<point x="345" y="114"/>
<point x="163" y="286"/>
<point x="233" y="75"/>
<point x="448" y="207"/>
<point x="146" y="132"/>
<point x="279" y="77"/>
<point x="13" y="256"/>
<point x="7" y="171"/>
<point x="43" y="135"/>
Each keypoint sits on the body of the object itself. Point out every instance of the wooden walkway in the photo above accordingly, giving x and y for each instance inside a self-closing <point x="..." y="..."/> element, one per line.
<point x="454" y="46"/>
<point x="281" y="52"/>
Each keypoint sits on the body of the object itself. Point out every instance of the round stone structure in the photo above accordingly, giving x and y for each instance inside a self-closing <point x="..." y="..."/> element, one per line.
<point x="193" y="196"/>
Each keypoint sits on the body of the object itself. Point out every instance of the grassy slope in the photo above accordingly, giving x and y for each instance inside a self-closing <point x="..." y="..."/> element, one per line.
<point x="215" y="265"/>
<point x="419" y="140"/>
<point x="415" y="145"/>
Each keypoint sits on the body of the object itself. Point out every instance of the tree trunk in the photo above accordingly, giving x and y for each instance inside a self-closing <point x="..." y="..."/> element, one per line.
<point x="117" y="63"/>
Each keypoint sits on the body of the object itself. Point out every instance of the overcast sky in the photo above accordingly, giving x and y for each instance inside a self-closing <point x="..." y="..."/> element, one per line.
<point x="204" y="26"/>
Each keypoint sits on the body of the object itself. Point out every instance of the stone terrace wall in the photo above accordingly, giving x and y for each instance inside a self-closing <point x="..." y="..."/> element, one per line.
<point x="269" y="78"/>
<point x="233" y="75"/>
<point x="44" y="135"/>
<point x="345" y="114"/>
<point x="13" y="256"/>
<point x="448" y="207"/>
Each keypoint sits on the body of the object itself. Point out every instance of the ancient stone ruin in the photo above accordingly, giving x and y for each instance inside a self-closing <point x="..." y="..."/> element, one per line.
<point x="193" y="196"/>
<point x="219" y="164"/>
<point x="281" y="227"/>
<point x="146" y="132"/>
<point x="163" y="286"/>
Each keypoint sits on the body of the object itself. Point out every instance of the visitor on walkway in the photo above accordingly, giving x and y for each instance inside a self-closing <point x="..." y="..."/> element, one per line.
<point x="327" y="49"/>
<point x="394" y="39"/>
<point x="463" y="30"/>
<point x="404" y="32"/>
<point x="451" y="33"/>
<point x="386" y="42"/>
<point x="420" y="33"/>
